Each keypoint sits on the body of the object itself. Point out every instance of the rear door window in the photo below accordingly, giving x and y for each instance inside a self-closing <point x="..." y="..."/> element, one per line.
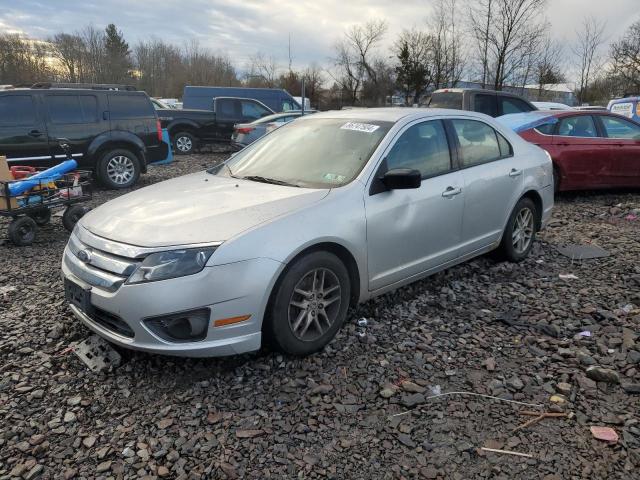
<point x="89" y="105"/>
<point x="619" y="128"/>
<point x="486" y="104"/>
<point x="226" y="108"/>
<point x="513" y="105"/>
<point x="122" y="107"/>
<point x="17" y="110"/>
<point x="422" y="147"/>
<point x="577" y="126"/>
<point x="478" y="142"/>
<point x="64" y="109"/>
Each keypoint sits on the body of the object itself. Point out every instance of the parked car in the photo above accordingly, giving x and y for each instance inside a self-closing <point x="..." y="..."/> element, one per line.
<point x="114" y="132"/>
<point x="327" y="211"/>
<point x="276" y="99"/>
<point x="489" y="102"/>
<point x="590" y="149"/>
<point x="551" y="106"/>
<point x="247" y="133"/>
<point x="591" y="108"/>
<point x="628" y="107"/>
<point x="189" y="128"/>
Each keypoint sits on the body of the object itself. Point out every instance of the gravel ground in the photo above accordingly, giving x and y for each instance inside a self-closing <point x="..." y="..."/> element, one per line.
<point x="331" y="415"/>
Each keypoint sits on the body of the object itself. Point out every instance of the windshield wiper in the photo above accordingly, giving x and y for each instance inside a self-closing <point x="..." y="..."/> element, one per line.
<point x="258" y="178"/>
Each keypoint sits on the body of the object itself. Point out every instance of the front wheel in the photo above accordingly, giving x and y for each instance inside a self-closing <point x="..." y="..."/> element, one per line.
<point x="119" y="169"/>
<point x="22" y="231"/>
<point x="309" y="305"/>
<point x="520" y="233"/>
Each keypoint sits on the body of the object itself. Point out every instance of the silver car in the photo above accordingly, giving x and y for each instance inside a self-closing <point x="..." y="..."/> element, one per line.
<point x="276" y="243"/>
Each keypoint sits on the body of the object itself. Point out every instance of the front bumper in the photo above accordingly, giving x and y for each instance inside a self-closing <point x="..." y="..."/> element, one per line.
<point x="230" y="290"/>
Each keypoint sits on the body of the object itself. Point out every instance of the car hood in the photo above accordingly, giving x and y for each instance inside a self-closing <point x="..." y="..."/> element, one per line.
<point x="196" y="208"/>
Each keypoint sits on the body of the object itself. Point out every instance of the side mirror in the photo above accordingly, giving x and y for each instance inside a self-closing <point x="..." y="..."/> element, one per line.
<point x="402" y="179"/>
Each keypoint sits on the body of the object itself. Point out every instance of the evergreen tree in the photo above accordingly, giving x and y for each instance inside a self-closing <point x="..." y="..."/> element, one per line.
<point x="117" y="54"/>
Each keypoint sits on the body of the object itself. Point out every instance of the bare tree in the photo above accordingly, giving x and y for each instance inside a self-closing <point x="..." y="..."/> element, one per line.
<point x="262" y="71"/>
<point x="548" y="64"/>
<point x="355" y="59"/>
<point x="481" y="16"/>
<point x="70" y="51"/>
<point x="587" y="52"/>
<point x="625" y="55"/>
<point x="23" y="60"/>
<point x="448" y="59"/>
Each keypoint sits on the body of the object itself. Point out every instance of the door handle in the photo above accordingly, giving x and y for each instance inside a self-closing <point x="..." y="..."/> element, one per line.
<point x="451" y="192"/>
<point x="35" y="133"/>
<point x="515" y="173"/>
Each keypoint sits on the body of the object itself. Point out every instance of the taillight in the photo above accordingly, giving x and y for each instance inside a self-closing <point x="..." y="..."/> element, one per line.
<point x="159" y="129"/>
<point x="245" y="130"/>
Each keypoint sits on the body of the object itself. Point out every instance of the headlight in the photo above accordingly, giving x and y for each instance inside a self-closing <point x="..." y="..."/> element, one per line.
<point x="172" y="264"/>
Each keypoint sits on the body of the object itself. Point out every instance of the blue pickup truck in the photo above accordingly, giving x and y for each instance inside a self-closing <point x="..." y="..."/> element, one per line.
<point x="201" y="98"/>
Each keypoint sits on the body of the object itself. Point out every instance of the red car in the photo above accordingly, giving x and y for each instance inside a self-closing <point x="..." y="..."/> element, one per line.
<point x="590" y="149"/>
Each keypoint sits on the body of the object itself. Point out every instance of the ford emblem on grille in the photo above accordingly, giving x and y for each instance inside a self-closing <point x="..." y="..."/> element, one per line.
<point x="84" y="256"/>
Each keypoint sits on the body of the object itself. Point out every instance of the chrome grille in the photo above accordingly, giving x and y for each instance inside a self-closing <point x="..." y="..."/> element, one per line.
<point x="97" y="267"/>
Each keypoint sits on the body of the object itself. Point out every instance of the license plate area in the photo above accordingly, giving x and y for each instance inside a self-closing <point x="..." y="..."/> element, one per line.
<point x="78" y="296"/>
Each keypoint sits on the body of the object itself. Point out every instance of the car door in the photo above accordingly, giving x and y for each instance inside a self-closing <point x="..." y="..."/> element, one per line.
<point x="23" y="133"/>
<point x="228" y="113"/>
<point x="581" y="153"/>
<point x="492" y="182"/>
<point x="74" y="117"/>
<point x="412" y="231"/>
<point x="623" y="136"/>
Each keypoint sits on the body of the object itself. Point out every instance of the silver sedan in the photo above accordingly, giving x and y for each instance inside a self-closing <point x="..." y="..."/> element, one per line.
<point x="325" y="212"/>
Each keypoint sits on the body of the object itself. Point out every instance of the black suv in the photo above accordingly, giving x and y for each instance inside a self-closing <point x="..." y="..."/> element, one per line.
<point x="489" y="102"/>
<point x="111" y="129"/>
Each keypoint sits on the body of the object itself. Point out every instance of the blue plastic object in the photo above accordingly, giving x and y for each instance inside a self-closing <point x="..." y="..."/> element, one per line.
<point x="49" y="175"/>
<point x="167" y="140"/>
<point x="520" y="122"/>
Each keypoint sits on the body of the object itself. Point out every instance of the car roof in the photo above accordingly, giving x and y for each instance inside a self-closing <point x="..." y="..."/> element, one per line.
<point x="395" y="114"/>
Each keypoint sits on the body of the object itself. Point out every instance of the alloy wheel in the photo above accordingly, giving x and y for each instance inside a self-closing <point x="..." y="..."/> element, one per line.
<point x="184" y="144"/>
<point x="314" y="304"/>
<point x="120" y="169"/>
<point x="522" y="230"/>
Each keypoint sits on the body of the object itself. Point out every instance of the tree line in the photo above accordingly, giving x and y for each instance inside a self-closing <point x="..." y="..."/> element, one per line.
<point x="500" y="44"/>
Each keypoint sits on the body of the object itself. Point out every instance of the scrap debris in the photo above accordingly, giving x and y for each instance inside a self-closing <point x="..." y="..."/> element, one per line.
<point x="582" y="252"/>
<point x="97" y="354"/>
<point x="508" y="452"/>
<point x="606" y="434"/>
<point x="538" y="416"/>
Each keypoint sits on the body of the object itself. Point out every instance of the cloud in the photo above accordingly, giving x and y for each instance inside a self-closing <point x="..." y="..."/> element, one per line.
<point x="240" y="29"/>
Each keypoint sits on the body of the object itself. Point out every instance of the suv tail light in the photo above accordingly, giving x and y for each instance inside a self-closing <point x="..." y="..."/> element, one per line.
<point x="159" y="129"/>
<point x="245" y="130"/>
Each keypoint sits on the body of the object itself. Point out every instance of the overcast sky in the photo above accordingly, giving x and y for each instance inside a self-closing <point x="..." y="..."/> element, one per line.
<point x="243" y="27"/>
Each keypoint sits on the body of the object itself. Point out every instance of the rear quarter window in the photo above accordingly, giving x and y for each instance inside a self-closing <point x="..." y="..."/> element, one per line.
<point x="122" y="107"/>
<point x="546" y="129"/>
<point x="446" y="100"/>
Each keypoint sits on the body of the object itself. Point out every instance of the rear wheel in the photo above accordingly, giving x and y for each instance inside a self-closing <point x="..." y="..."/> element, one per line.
<point x="22" y="231"/>
<point x="309" y="305"/>
<point x="520" y="233"/>
<point x="184" y="142"/>
<point x="119" y="169"/>
<point x="71" y="216"/>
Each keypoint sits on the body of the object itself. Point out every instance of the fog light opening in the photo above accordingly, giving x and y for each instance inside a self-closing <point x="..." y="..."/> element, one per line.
<point x="181" y="327"/>
<point x="223" y="322"/>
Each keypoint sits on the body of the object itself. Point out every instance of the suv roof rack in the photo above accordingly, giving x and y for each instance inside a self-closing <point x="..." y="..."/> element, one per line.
<point x="89" y="86"/>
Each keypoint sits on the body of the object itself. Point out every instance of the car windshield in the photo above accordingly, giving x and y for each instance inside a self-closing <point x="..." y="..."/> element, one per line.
<point x="313" y="153"/>
<point x="446" y="100"/>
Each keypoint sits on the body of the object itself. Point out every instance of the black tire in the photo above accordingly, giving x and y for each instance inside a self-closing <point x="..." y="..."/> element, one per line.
<point x="42" y="216"/>
<point x="22" y="231"/>
<point x="278" y="328"/>
<point x="507" y="248"/>
<point x="71" y="216"/>
<point x="184" y="143"/>
<point x="118" y="169"/>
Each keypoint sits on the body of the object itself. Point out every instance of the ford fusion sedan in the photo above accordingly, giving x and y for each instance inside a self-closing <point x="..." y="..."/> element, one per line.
<point x="274" y="245"/>
<point x="590" y="149"/>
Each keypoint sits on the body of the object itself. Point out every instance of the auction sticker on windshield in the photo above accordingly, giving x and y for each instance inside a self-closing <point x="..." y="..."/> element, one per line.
<point x="360" y="127"/>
